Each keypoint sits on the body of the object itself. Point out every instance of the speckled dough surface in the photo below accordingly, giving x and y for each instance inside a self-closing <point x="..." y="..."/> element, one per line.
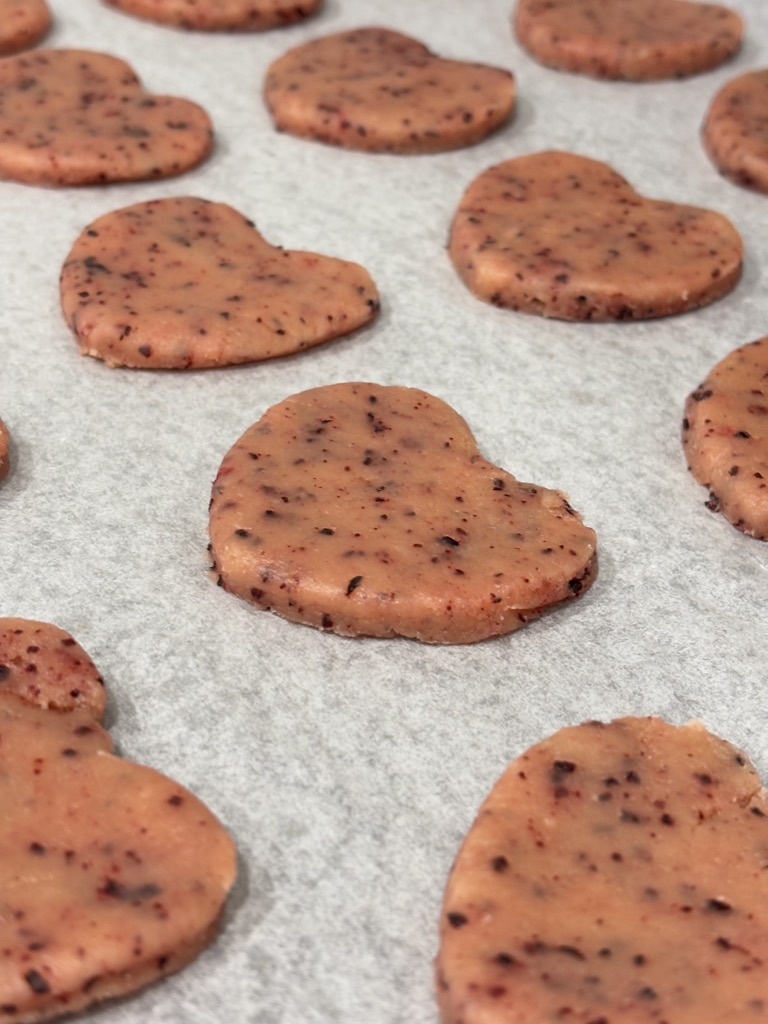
<point x="735" y="130"/>
<point x="615" y="873"/>
<point x="76" y="117"/>
<point x="564" y="236"/>
<point x="220" y="15"/>
<point x="111" y="874"/>
<point x="367" y="510"/>
<point x="380" y="91"/>
<point x="725" y="437"/>
<point x="5" y="445"/>
<point x="639" y="40"/>
<point x="184" y="283"/>
<point x="22" y="24"/>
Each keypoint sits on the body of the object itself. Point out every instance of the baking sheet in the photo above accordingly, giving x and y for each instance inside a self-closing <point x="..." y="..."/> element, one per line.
<point x="348" y="770"/>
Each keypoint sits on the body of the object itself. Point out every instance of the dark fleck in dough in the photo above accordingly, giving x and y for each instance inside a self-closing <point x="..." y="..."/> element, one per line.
<point x="5" y="444"/>
<point x="637" y="40"/>
<point x="111" y="874"/>
<point x="614" y="875"/>
<point x="735" y="130"/>
<point x="74" y="117"/>
<point x="381" y="91"/>
<point x="23" y="23"/>
<point x="725" y="437"/>
<point x="368" y="511"/>
<point x="220" y="15"/>
<point x="563" y="236"/>
<point x="183" y="283"/>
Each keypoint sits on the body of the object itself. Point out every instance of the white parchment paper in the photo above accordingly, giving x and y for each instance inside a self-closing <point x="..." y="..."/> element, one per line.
<point x="349" y="770"/>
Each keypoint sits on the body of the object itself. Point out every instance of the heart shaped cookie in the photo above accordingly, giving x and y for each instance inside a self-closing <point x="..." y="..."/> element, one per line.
<point x="111" y="875"/>
<point x="184" y="283"/>
<point x="380" y="91"/>
<point x="735" y="130"/>
<point x="725" y="437"/>
<point x="638" y="40"/>
<point x="368" y="510"/>
<point x="615" y="873"/>
<point x="73" y="117"/>
<point x="563" y="236"/>
<point x="5" y="444"/>
<point x="22" y="24"/>
<point x="220" y="15"/>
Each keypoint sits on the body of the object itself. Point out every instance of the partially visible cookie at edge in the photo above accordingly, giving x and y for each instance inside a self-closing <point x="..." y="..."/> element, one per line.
<point x="5" y="446"/>
<point x="77" y="117"/>
<point x="23" y="23"/>
<point x="220" y="15"/>
<point x="376" y="90"/>
<point x="635" y="40"/>
<point x="725" y="437"/>
<point x="735" y="130"/>
<point x="185" y="283"/>
<point x="366" y="510"/>
<point x="560" y="235"/>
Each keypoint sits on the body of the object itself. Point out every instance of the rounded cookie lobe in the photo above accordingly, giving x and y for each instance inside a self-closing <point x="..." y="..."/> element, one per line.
<point x="380" y="91"/>
<point x="735" y="130"/>
<point x="184" y="283"/>
<point x="560" y="235"/>
<point x="48" y="667"/>
<point x="725" y="437"/>
<point x="23" y="23"/>
<point x="220" y="15"/>
<point x="592" y="884"/>
<point x="636" y="40"/>
<point x="367" y="510"/>
<point x="75" y="117"/>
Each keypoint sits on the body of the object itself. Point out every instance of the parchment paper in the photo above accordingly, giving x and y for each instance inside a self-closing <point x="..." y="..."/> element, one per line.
<point x="349" y="770"/>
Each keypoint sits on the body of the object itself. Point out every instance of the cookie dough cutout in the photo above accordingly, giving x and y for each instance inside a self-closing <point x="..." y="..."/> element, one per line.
<point x="725" y="437"/>
<point x="23" y="23"/>
<point x="5" y="451"/>
<point x="184" y="283"/>
<point x="636" y="40"/>
<point x="735" y="130"/>
<point x="111" y="874"/>
<point x="379" y="91"/>
<point x="220" y="15"/>
<point x="592" y="886"/>
<point x="368" y="511"/>
<point x="75" y="117"/>
<point x="560" y="235"/>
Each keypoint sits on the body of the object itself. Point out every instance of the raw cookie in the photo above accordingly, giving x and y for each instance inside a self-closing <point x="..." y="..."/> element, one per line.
<point x="381" y="91"/>
<point x="184" y="283"/>
<point x="368" y="510"/>
<point x="725" y="437"/>
<point x="74" y="117"/>
<point x="614" y="875"/>
<point x="563" y="236"/>
<point x="220" y="15"/>
<point x="5" y="444"/>
<point x="639" y="40"/>
<point x="111" y="874"/>
<point x="22" y="24"/>
<point x="735" y="130"/>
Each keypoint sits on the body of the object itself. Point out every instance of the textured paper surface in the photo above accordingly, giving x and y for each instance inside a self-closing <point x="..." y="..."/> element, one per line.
<point x="348" y="771"/>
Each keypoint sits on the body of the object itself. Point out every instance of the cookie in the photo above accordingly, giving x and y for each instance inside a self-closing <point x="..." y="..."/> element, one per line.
<point x="615" y="873"/>
<point x="111" y="874"/>
<point x="725" y="437"/>
<point x="220" y="15"/>
<point x="184" y="283"/>
<point x="23" y="23"/>
<point x="5" y="444"/>
<point x="368" y="511"/>
<point x="381" y="91"/>
<point x="563" y="236"/>
<point x="637" y="40"/>
<point x="74" y="117"/>
<point x="735" y="130"/>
